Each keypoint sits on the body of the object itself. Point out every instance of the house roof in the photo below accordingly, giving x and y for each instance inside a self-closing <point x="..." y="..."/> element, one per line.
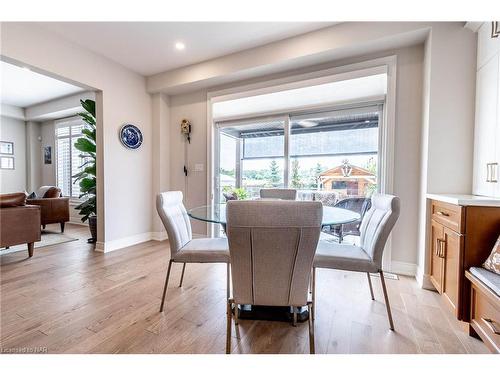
<point x="356" y="173"/>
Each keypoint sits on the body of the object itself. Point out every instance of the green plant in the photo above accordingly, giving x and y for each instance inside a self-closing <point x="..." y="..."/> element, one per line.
<point x="86" y="178"/>
<point x="241" y="193"/>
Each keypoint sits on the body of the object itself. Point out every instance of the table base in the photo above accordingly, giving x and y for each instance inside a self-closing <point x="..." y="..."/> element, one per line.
<point x="272" y="313"/>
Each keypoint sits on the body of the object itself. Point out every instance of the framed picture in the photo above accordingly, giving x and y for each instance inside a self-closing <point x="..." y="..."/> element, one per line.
<point x="7" y="148"/>
<point x="47" y="155"/>
<point x="6" y="162"/>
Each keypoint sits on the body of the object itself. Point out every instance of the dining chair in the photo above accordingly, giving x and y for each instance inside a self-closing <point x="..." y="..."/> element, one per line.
<point x="285" y="194"/>
<point x="375" y="228"/>
<point x="183" y="248"/>
<point x="271" y="245"/>
<point x="357" y="204"/>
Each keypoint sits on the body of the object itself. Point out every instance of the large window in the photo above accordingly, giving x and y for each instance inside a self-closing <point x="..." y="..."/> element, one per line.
<point x="69" y="160"/>
<point x="332" y="152"/>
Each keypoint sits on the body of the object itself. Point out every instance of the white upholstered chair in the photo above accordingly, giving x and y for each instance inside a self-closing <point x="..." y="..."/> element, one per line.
<point x="272" y="246"/>
<point x="375" y="228"/>
<point x="183" y="248"/>
<point x="285" y="194"/>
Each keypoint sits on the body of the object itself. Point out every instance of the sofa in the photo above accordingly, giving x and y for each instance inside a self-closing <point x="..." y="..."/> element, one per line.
<point x="54" y="207"/>
<point x="19" y="223"/>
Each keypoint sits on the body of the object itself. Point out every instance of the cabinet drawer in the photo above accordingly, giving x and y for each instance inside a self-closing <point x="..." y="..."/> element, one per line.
<point x="449" y="215"/>
<point x="484" y="313"/>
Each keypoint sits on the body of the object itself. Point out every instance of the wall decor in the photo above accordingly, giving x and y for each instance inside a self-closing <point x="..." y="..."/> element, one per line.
<point x="495" y="29"/>
<point x="47" y="155"/>
<point x="130" y="136"/>
<point x="7" y="148"/>
<point x="7" y="162"/>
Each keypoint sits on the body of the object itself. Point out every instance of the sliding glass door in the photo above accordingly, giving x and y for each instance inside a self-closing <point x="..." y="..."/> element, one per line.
<point x="330" y="152"/>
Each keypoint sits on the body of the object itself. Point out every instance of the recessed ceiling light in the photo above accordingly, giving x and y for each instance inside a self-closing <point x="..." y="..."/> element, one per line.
<point x="26" y="68"/>
<point x="180" y="46"/>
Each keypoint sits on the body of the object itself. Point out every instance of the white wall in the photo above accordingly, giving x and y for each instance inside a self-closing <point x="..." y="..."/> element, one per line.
<point x="13" y="130"/>
<point x="33" y="156"/>
<point x="125" y="186"/>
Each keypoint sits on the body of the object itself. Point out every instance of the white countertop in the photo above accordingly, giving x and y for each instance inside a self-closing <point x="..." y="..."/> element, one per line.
<point x="466" y="200"/>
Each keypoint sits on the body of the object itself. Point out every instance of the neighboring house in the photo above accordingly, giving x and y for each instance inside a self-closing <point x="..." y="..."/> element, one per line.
<point x="348" y="180"/>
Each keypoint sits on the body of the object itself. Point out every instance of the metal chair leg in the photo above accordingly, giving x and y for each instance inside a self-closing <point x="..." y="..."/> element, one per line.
<point x="311" y="332"/>
<point x="386" y="297"/>
<point x="313" y="304"/>
<point x="166" y="285"/>
<point x="370" y="284"/>
<point x="236" y="313"/>
<point x="182" y="274"/>
<point x="228" y="327"/>
<point x="228" y="281"/>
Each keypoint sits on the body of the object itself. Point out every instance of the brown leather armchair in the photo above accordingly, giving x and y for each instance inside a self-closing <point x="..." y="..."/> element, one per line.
<point x="19" y="223"/>
<point x="54" y="208"/>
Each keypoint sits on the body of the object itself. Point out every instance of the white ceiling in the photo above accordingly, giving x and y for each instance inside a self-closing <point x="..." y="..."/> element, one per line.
<point x="23" y="88"/>
<point x="149" y="47"/>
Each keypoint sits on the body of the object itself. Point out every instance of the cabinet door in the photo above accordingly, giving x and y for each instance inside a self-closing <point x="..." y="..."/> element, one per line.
<point x="437" y="262"/>
<point x="452" y="278"/>
<point x="485" y="126"/>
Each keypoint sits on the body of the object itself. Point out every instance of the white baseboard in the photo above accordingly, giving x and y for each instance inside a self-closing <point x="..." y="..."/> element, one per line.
<point x="424" y="280"/>
<point x="106" y="247"/>
<point x="159" y="236"/>
<point x="403" y="268"/>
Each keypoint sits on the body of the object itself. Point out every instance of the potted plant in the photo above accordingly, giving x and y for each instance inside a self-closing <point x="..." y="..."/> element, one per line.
<point x="86" y="178"/>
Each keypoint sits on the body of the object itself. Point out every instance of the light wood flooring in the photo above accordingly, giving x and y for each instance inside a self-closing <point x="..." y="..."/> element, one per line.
<point x="70" y="299"/>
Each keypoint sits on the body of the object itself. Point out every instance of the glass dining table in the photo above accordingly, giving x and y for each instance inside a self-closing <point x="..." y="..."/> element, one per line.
<point x="217" y="214"/>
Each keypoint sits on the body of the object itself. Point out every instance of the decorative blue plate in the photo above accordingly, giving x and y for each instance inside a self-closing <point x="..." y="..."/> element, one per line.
<point x="131" y="136"/>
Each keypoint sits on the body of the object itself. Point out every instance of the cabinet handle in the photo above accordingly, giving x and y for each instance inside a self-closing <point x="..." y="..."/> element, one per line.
<point x="488" y="172"/>
<point x="441" y="213"/>
<point x="494" y="174"/>
<point x="436" y="250"/>
<point x="492" y="325"/>
<point x="443" y="249"/>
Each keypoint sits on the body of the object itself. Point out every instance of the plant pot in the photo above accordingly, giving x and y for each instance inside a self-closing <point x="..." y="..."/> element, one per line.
<point x="93" y="229"/>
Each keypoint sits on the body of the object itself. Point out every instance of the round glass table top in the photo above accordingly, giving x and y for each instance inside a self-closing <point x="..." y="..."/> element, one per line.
<point x="217" y="214"/>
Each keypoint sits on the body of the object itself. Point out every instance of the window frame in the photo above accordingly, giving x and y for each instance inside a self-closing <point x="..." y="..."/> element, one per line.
<point x="73" y="122"/>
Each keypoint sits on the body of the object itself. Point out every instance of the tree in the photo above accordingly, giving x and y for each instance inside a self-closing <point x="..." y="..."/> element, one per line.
<point x="318" y="170"/>
<point x="274" y="177"/>
<point x="296" y="182"/>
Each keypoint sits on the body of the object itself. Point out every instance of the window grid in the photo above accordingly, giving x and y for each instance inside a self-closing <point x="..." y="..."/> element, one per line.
<point x="68" y="158"/>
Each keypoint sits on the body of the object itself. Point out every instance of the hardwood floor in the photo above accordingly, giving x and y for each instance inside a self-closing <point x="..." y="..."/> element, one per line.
<point x="70" y="299"/>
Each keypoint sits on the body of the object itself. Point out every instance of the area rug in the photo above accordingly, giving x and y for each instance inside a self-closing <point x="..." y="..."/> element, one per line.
<point x="48" y="238"/>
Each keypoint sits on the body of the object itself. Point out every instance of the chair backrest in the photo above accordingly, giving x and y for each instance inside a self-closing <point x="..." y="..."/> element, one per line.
<point x="285" y="194"/>
<point x="174" y="218"/>
<point x="357" y="204"/>
<point x="377" y="224"/>
<point x="272" y="246"/>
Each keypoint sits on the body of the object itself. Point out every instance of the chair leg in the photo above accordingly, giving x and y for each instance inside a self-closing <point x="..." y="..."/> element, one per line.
<point x="62" y="226"/>
<point x="386" y="297"/>
<point x="311" y="332"/>
<point x="313" y="304"/>
<point x="43" y="226"/>
<point x="182" y="274"/>
<point x="294" y="309"/>
<point x="228" y="327"/>
<point x="228" y="280"/>
<point x="166" y="285"/>
<point x="31" y="247"/>
<point x="370" y="284"/>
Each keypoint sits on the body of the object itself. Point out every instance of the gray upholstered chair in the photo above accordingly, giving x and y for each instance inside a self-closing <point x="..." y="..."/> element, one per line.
<point x="285" y="194"/>
<point x="183" y="248"/>
<point x="375" y="228"/>
<point x="272" y="246"/>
